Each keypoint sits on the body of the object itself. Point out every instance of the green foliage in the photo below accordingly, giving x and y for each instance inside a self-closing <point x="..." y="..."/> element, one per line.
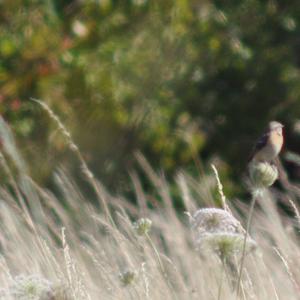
<point x="174" y="79"/>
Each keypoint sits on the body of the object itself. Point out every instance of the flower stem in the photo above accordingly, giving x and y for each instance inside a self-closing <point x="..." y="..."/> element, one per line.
<point x="221" y="280"/>
<point x="244" y="245"/>
<point x="162" y="269"/>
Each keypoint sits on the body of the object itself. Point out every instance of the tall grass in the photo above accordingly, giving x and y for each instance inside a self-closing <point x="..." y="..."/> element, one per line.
<point x="85" y="253"/>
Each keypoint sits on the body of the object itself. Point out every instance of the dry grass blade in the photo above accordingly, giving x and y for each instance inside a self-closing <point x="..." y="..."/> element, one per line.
<point x="95" y="258"/>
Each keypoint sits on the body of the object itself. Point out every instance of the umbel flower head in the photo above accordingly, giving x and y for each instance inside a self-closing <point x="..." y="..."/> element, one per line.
<point x="32" y="287"/>
<point x="142" y="226"/>
<point x="211" y="220"/>
<point x="127" y="277"/>
<point x="262" y="174"/>
<point x="226" y="244"/>
<point x="218" y="231"/>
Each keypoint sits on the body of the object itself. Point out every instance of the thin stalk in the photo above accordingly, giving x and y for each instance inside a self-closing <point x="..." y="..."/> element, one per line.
<point x="162" y="269"/>
<point x="244" y="245"/>
<point x="156" y="254"/>
<point x="73" y="147"/>
<point x="221" y="280"/>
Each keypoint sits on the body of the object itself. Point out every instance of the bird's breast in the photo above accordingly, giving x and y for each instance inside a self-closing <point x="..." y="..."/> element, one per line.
<point x="275" y="142"/>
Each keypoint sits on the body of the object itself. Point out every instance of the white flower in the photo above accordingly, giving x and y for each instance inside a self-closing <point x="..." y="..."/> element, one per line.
<point x="225" y="244"/>
<point x="210" y="220"/>
<point x="217" y="230"/>
<point x="32" y="287"/>
<point x="142" y="226"/>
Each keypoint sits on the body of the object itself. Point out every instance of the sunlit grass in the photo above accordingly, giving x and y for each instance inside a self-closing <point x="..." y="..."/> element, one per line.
<point x="68" y="248"/>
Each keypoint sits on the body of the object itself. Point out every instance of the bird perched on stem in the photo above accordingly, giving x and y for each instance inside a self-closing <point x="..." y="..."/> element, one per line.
<point x="269" y="145"/>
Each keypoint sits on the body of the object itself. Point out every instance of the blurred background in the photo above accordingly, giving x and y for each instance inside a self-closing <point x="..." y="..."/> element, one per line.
<point x="187" y="83"/>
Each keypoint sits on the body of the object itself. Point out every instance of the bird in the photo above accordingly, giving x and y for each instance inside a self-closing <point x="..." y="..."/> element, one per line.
<point x="269" y="145"/>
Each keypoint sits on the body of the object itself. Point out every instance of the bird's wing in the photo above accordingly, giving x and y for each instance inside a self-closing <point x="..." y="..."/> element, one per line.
<point x="261" y="143"/>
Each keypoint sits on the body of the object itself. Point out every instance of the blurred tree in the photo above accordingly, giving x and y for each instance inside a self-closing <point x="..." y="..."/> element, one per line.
<point x="174" y="79"/>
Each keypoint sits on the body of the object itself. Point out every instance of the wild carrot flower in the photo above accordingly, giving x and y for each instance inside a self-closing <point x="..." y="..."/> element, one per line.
<point x="262" y="174"/>
<point x="32" y="287"/>
<point x="142" y="226"/>
<point x="226" y="244"/>
<point x="217" y="230"/>
<point x="127" y="277"/>
<point x="210" y="220"/>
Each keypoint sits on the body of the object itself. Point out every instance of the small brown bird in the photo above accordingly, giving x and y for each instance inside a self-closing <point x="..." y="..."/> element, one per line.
<point x="269" y="145"/>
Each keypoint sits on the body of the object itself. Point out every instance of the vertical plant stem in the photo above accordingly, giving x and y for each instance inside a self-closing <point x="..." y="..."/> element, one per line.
<point x="162" y="269"/>
<point x="244" y="245"/>
<point x="156" y="254"/>
<point x="222" y="277"/>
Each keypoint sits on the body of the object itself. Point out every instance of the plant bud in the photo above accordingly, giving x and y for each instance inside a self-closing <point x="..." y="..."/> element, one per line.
<point x="263" y="174"/>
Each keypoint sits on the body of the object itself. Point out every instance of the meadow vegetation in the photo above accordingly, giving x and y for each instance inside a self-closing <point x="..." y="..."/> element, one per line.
<point x="62" y="246"/>
<point x="164" y="99"/>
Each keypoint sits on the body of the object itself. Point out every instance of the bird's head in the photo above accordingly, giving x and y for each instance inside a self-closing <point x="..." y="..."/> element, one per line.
<point x="276" y="126"/>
